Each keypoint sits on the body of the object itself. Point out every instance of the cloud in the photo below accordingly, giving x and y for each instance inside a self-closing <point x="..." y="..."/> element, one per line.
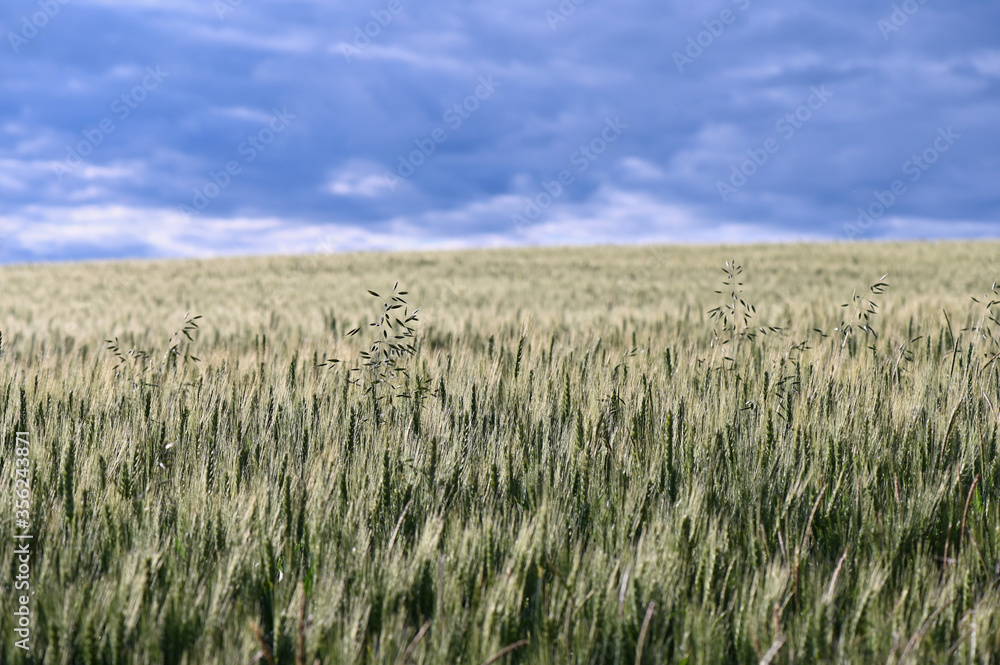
<point x="359" y="178"/>
<point x="560" y="80"/>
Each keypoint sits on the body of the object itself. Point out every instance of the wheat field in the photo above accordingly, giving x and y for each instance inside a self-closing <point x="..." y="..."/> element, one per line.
<point x="585" y="455"/>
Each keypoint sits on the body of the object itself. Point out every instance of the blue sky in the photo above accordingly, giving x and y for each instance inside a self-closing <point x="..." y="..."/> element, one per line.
<point x="210" y="127"/>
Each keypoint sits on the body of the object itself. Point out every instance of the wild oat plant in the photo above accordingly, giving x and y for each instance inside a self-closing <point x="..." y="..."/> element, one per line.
<point x="136" y="365"/>
<point x="573" y="475"/>
<point x="734" y="316"/>
<point x="382" y="365"/>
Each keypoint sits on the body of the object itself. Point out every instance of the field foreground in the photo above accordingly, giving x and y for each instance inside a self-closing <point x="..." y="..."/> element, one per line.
<point x="580" y="465"/>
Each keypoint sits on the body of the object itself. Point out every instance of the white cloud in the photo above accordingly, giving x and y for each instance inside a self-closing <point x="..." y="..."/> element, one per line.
<point x="243" y="113"/>
<point x="359" y="178"/>
<point x="403" y="55"/>
<point x="987" y="63"/>
<point x="641" y="169"/>
<point x="611" y="216"/>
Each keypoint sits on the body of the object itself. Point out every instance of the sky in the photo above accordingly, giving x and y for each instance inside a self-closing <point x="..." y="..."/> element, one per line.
<point x="219" y="127"/>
